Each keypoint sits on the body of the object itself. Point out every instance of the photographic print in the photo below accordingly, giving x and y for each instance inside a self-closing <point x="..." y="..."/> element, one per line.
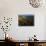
<point x="26" y="20"/>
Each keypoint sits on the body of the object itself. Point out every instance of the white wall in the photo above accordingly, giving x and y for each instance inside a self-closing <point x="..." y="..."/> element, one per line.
<point x="12" y="8"/>
<point x="45" y="28"/>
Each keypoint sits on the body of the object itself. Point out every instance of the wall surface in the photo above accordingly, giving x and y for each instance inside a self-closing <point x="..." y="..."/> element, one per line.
<point x="12" y="8"/>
